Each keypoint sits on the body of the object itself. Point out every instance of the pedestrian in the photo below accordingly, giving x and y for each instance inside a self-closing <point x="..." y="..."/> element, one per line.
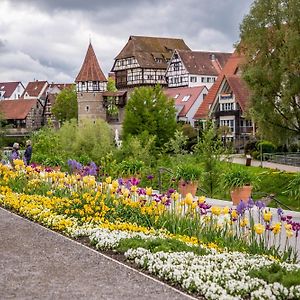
<point x="15" y="152"/>
<point x="28" y="153"/>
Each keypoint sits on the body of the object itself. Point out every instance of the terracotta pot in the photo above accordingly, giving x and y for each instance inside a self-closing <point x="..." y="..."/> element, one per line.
<point x="187" y="187"/>
<point x="241" y="193"/>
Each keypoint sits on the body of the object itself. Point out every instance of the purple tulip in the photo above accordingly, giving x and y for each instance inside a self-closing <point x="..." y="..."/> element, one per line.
<point x="280" y="211"/>
<point x="250" y="203"/>
<point x="260" y="204"/>
<point x="241" y="207"/>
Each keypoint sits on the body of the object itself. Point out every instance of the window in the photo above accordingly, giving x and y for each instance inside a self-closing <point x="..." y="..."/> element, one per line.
<point x="186" y="98"/>
<point x="226" y="106"/>
<point x="228" y="123"/>
<point x="204" y="95"/>
<point x="87" y="108"/>
<point x="176" y="96"/>
<point x="176" y="67"/>
<point x="193" y="79"/>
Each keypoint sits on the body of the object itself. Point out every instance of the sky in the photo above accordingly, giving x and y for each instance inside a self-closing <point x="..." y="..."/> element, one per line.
<point x="48" y="39"/>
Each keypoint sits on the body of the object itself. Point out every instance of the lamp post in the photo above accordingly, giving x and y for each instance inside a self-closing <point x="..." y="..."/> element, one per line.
<point x="261" y="155"/>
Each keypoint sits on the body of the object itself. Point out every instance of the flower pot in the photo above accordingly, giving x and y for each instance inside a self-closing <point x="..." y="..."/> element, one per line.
<point x="187" y="187"/>
<point x="241" y="193"/>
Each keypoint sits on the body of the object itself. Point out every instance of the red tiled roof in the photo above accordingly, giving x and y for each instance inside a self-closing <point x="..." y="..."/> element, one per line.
<point x="34" y="88"/>
<point x="114" y="94"/>
<point x="62" y="86"/>
<point x="90" y="69"/>
<point x="193" y="92"/>
<point x="147" y="49"/>
<point x="16" y="109"/>
<point x="8" y="87"/>
<point x="239" y="89"/>
<point x="229" y="69"/>
<point x="204" y="63"/>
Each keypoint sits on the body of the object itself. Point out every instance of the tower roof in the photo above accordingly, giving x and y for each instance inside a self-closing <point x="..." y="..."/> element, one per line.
<point x="90" y="69"/>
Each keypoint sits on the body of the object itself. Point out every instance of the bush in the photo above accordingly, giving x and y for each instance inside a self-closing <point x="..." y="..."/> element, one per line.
<point x="266" y="147"/>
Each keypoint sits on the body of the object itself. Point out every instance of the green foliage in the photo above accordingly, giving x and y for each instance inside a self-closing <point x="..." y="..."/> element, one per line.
<point x="177" y="144"/>
<point x="149" y="109"/>
<point x="276" y="273"/>
<point x="188" y="172"/>
<point x="266" y="147"/>
<point x="270" y="42"/>
<point x="112" y="108"/>
<point x="140" y="147"/>
<point x="209" y="150"/>
<point x="130" y="167"/>
<point x="158" y="244"/>
<point x="65" y="107"/>
<point x="293" y="188"/>
<point x="237" y="176"/>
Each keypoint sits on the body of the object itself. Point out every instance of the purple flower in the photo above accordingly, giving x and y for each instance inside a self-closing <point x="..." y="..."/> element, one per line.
<point x="289" y="217"/>
<point x="279" y="211"/>
<point x="260" y="204"/>
<point x="241" y="207"/>
<point x="250" y="203"/>
<point x="150" y="177"/>
<point x="134" y="181"/>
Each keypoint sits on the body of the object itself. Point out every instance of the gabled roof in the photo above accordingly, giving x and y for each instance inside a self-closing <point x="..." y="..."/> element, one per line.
<point x="9" y="88"/>
<point x="230" y="68"/>
<point x="179" y="93"/>
<point x="62" y="86"/>
<point x="204" y="63"/>
<point x="148" y="49"/>
<point x="239" y="89"/>
<point x="16" y="109"/>
<point x="34" y="88"/>
<point x="90" y="69"/>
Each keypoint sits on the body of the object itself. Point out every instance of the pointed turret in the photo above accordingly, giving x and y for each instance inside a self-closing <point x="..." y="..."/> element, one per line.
<point x="90" y="77"/>
<point x="90" y="84"/>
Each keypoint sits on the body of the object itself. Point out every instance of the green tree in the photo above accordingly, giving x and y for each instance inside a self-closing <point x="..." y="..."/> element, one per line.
<point x="112" y="108"/>
<point x="270" y="41"/>
<point x="149" y="109"/>
<point x="65" y="107"/>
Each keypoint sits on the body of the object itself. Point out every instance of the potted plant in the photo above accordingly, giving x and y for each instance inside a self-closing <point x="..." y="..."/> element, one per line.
<point x="239" y="181"/>
<point x="188" y="176"/>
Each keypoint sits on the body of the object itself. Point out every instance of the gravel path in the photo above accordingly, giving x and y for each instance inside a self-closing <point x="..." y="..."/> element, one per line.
<point x="36" y="263"/>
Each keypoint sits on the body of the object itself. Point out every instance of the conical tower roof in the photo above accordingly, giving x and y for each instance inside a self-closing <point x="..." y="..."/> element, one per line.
<point x="90" y="70"/>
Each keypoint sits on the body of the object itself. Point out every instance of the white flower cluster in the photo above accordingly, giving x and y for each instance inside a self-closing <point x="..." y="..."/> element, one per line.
<point x="215" y="276"/>
<point x="105" y="239"/>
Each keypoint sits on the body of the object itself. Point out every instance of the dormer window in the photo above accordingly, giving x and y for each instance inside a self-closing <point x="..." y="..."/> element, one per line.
<point x="186" y="98"/>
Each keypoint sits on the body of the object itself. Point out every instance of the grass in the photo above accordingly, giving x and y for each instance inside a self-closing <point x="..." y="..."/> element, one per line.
<point x="275" y="273"/>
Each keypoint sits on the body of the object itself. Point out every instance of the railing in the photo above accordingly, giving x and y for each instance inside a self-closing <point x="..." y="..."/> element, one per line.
<point x="292" y="159"/>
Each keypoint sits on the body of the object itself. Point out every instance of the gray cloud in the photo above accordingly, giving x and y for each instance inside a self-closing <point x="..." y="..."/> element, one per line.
<point x="54" y="37"/>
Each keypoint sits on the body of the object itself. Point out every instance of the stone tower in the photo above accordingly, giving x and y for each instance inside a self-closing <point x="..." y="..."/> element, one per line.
<point x="90" y="85"/>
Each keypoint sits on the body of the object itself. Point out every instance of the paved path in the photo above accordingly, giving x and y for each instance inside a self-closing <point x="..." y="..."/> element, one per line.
<point x="264" y="164"/>
<point x="36" y="263"/>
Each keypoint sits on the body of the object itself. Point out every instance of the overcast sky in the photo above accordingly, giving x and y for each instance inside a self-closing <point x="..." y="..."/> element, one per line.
<point x="48" y="39"/>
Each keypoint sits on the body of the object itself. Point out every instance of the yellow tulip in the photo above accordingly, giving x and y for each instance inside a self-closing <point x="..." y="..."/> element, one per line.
<point x="148" y="191"/>
<point x="276" y="228"/>
<point x="108" y="180"/>
<point x="289" y="233"/>
<point x="234" y="214"/>
<point x="259" y="228"/>
<point x="175" y="196"/>
<point x="267" y="215"/>
<point x="215" y="210"/>
<point x="225" y="210"/>
<point x="188" y="199"/>
<point x="201" y="199"/>
<point x="244" y="222"/>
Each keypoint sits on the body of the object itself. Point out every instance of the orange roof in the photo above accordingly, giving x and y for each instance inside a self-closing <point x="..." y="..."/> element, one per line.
<point x="90" y="69"/>
<point x="16" y="109"/>
<point x="8" y="88"/>
<point x="179" y="93"/>
<point x="34" y="88"/>
<point x="229" y="69"/>
<point x="239" y="89"/>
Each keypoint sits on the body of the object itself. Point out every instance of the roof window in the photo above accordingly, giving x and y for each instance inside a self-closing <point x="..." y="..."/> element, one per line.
<point x="186" y="98"/>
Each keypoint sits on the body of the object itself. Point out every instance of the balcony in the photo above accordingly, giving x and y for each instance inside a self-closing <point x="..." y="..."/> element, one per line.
<point x="220" y="113"/>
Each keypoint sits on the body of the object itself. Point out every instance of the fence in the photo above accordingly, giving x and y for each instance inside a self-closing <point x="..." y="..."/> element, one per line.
<point x="290" y="158"/>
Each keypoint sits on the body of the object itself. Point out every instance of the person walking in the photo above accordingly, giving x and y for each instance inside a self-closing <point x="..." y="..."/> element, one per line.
<point x="15" y="152"/>
<point x="28" y="153"/>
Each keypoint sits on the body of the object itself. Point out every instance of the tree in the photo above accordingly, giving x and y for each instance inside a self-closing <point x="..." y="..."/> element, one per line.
<point x="112" y="108"/>
<point x="270" y="41"/>
<point x="65" y="107"/>
<point x="150" y="110"/>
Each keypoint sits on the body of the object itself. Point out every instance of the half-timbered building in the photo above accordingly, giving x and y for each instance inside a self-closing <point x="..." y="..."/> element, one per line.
<point x="195" y="68"/>
<point x="143" y="61"/>
<point x="227" y="102"/>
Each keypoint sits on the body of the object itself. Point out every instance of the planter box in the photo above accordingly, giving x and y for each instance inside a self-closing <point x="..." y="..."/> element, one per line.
<point x="241" y="193"/>
<point x="187" y="187"/>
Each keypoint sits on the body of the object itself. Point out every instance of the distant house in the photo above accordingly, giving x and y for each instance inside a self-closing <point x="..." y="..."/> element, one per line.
<point x="22" y="115"/>
<point x="51" y="93"/>
<point x="195" y="68"/>
<point x="36" y="90"/>
<point x="143" y="61"/>
<point x="187" y="101"/>
<point x="11" y="90"/>
<point x="227" y="102"/>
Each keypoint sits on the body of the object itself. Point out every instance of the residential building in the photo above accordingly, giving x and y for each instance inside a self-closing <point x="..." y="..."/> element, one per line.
<point x="226" y="104"/>
<point x="187" y="100"/>
<point x="22" y="115"/>
<point x="11" y="90"/>
<point x="195" y="68"/>
<point x="143" y="61"/>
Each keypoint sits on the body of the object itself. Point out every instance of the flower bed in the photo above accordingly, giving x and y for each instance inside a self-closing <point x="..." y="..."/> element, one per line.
<point x="111" y="213"/>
